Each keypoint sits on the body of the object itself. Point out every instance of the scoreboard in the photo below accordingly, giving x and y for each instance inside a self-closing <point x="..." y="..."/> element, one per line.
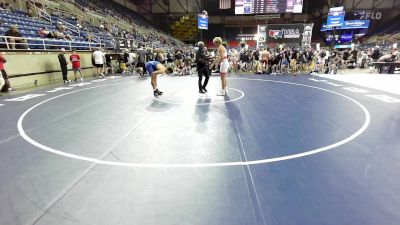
<point x="268" y="6"/>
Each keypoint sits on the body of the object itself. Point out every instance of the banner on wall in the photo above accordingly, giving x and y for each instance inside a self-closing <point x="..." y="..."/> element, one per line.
<point x="284" y="34"/>
<point x="349" y="24"/>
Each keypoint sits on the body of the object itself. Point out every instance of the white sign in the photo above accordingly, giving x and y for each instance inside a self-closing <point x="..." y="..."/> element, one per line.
<point x="336" y="9"/>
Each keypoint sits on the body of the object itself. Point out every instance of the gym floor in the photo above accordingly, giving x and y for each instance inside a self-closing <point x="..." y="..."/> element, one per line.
<point x="278" y="150"/>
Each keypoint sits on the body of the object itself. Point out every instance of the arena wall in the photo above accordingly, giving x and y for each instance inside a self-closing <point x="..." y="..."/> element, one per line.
<point x="26" y="68"/>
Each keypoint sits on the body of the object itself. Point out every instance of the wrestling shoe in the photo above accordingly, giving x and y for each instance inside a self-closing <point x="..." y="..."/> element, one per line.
<point x="159" y="92"/>
<point x="222" y="93"/>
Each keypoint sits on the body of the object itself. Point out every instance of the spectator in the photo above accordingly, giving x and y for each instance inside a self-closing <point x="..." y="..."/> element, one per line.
<point x="2" y="40"/>
<point x="44" y="33"/>
<point x="150" y="55"/>
<point x="79" y="26"/>
<point x="3" y="5"/>
<point x="395" y="52"/>
<point x="123" y="59"/>
<point x="59" y="35"/>
<point x="63" y="36"/>
<point x="14" y="32"/>
<point x="29" y="9"/>
<point x="98" y="59"/>
<point x="387" y="58"/>
<point x="141" y="60"/>
<point x="11" y="8"/>
<point x="376" y="53"/>
<point x="60" y="27"/>
<point x="76" y="64"/>
<point x="133" y="27"/>
<point x="109" y="63"/>
<point x="29" y="13"/>
<point x="63" y="65"/>
<point x="90" y="37"/>
<point x="6" y="87"/>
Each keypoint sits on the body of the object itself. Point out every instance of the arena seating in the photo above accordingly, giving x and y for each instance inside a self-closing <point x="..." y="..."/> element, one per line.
<point x="145" y="35"/>
<point x="388" y="33"/>
<point x="29" y="28"/>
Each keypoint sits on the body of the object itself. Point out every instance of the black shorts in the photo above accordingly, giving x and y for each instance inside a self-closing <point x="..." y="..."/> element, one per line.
<point x="98" y="65"/>
<point x="4" y="74"/>
<point x="108" y="64"/>
<point x="140" y="64"/>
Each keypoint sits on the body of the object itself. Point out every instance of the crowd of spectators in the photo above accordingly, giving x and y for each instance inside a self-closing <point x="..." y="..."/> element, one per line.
<point x="307" y="60"/>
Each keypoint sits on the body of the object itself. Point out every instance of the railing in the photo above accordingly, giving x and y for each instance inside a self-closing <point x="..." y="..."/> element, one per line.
<point x="70" y="27"/>
<point x="42" y="13"/>
<point x="47" y="44"/>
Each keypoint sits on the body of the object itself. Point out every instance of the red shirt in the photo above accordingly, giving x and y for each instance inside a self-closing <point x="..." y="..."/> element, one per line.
<point x="76" y="61"/>
<point x="2" y="61"/>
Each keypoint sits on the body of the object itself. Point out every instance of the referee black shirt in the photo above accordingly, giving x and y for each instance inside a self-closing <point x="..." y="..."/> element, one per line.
<point x="201" y="58"/>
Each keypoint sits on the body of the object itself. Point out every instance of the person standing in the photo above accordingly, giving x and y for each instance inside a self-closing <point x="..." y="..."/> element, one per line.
<point x="265" y="59"/>
<point x="221" y="60"/>
<point x="76" y="64"/>
<point x="141" y="60"/>
<point x="202" y="67"/>
<point x="63" y="65"/>
<point x="4" y="82"/>
<point x="99" y="59"/>
<point x="109" y="63"/>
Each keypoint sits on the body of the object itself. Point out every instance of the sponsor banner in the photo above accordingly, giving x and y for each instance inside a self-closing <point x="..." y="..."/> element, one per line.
<point x="284" y="33"/>
<point x="355" y="24"/>
<point x="202" y="21"/>
<point x="325" y="27"/>
<point x="307" y="35"/>
<point x="342" y="46"/>
<point x="349" y="24"/>
<point x="245" y="37"/>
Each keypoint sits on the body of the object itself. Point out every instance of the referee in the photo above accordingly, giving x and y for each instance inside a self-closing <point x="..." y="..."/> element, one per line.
<point x="202" y="67"/>
<point x="63" y="64"/>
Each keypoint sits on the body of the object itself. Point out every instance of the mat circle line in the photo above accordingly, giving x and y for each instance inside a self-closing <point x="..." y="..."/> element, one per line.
<point x="198" y="165"/>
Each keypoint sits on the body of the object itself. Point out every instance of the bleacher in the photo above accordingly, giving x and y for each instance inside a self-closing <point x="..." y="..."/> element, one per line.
<point x="29" y="28"/>
<point x="112" y="13"/>
<point x="386" y="34"/>
<point x="144" y="27"/>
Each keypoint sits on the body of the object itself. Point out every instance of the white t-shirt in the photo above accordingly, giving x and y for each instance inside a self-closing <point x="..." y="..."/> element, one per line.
<point x="132" y="57"/>
<point x="98" y="57"/>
